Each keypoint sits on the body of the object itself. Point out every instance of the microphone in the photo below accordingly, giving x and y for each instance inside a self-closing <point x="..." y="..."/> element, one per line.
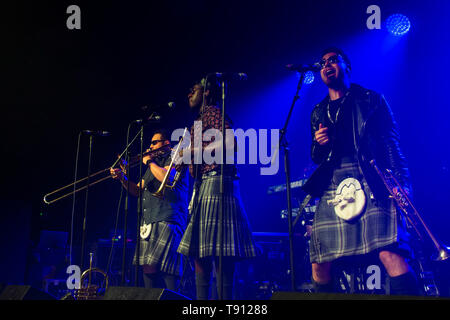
<point x="170" y="105"/>
<point x="151" y="118"/>
<point x="98" y="133"/>
<point x="229" y="75"/>
<point x="303" y="67"/>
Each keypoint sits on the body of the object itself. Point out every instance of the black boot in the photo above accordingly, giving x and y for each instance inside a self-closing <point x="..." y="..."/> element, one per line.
<point x="405" y="284"/>
<point x="171" y="281"/>
<point x="149" y="280"/>
<point x="202" y="283"/>
<point x="323" y="288"/>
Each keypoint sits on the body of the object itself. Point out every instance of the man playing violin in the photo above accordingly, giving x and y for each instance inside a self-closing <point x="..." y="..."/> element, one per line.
<point x="163" y="220"/>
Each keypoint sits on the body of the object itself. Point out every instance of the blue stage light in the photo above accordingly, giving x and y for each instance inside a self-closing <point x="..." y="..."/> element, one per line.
<point x="398" y="24"/>
<point x="309" y="77"/>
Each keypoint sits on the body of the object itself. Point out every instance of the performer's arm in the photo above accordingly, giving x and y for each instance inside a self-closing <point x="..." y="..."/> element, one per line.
<point x="132" y="187"/>
<point x="389" y="144"/>
<point x="321" y="145"/>
<point x="160" y="172"/>
<point x="217" y="144"/>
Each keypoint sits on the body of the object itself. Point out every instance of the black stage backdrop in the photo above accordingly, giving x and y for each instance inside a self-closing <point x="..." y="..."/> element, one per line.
<point x="127" y="55"/>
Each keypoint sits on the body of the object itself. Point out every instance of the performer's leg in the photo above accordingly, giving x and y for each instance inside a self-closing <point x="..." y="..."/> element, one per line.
<point x="203" y="268"/>
<point x="149" y="275"/>
<point x="402" y="279"/>
<point x="321" y="276"/>
<point x="228" y="268"/>
<point x="170" y="280"/>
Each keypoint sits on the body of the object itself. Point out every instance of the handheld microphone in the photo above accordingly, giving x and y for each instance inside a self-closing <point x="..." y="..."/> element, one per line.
<point x="303" y="67"/>
<point x="98" y="133"/>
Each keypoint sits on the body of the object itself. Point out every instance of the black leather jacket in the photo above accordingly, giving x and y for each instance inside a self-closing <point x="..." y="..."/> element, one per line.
<point x="375" y="136"/>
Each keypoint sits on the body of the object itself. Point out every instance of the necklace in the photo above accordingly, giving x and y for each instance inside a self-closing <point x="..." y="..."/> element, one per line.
<point x="333" y="121"/>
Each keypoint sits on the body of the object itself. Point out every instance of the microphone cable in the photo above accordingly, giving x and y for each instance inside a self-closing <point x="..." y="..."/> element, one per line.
<point x="73" y="198"/>
<point x="110" y="257"/>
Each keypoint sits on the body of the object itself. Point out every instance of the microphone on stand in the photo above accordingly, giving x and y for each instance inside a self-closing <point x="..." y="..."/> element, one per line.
<point x="98" y="133"/>
<point x="168" y="105"/>
<point x="229" y="75"/>
<point x="304" y="67"/>
<point x="171" y="105"/>
<point x="152" y="118"/>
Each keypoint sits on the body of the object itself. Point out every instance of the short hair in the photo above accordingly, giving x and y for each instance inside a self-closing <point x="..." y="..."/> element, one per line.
<point x="211" y="84"/>
<point x="340" y="52"/>
<point x="163" y="133"/>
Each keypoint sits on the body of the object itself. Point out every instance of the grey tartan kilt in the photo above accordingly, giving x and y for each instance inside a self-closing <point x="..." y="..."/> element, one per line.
<point x="201" y="237"/>
<point x="333" y="237"/>
<point x="159" y="249"/>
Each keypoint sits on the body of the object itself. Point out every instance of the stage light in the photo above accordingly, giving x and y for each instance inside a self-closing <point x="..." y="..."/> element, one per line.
<point x="309" y="77"/>
<point x="398" y="24"/>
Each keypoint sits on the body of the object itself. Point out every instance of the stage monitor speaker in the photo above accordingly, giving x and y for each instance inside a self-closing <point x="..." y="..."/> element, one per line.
<point x="288" y="295"/>
<point x="136" y="293"/>
<point x="23" y="292"/>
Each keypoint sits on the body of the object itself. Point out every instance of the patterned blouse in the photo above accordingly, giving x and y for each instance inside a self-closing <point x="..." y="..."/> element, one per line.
<point x="211" y="118"/>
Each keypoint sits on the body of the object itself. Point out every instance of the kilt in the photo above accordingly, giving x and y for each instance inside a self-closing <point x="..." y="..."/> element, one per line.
<point x="378" y="226"/>
<point x="201" y="237"/>
<point x="160" y="248"/>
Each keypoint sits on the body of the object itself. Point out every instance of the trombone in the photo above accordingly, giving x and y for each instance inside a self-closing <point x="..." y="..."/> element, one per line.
<point x="410" y="212"/>
<point x="165" y="184"/>
<point x="63" y="192"/>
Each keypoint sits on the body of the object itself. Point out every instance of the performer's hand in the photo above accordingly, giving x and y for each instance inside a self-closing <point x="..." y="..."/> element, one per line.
<point x="146" y="158"/>
<point x="178" y="159"/>
<point x="397" y="191"/>
<point x="124" y="166"/>
<point x="116" y="173"/>
<point x="321" y="135"/>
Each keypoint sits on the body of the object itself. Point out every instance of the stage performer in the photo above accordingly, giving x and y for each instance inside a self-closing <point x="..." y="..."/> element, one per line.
<point x="163" y="219"/>
<point x="351" y="126"/>
<point x="200" y="240"/>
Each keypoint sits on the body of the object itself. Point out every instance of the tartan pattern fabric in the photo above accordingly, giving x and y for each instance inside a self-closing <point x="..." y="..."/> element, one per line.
<point x="160" y="248"/>
<point x="333" y="237"/>
<point x="201" y="236"/>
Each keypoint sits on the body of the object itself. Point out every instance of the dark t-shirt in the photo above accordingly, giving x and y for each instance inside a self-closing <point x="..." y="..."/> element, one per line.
<point x="173" y="207"/>
<point x="340" y="117"/>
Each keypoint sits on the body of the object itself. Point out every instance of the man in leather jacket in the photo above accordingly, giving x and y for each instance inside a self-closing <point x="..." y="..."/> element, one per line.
<point x="351" y="127"/>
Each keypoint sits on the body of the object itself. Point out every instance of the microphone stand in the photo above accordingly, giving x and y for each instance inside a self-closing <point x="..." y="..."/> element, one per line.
<point x="125" y="225"/>
<point x="139" y="210"/>
<point x="222" y="193"/>
<point x="73" y="198"/>
<point x="83" y="239"/>
<point x="125" y="154"/>
<point x="284" y="144"/>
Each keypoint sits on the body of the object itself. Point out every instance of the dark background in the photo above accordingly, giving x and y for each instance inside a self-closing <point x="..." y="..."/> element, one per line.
<point x="131" y="54"/>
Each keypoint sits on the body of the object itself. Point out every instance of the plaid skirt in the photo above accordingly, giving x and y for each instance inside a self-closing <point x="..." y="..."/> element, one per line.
<point x="378" y="226"/>
<point x="159" y="249"/>
<point x="201" y="237"/>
